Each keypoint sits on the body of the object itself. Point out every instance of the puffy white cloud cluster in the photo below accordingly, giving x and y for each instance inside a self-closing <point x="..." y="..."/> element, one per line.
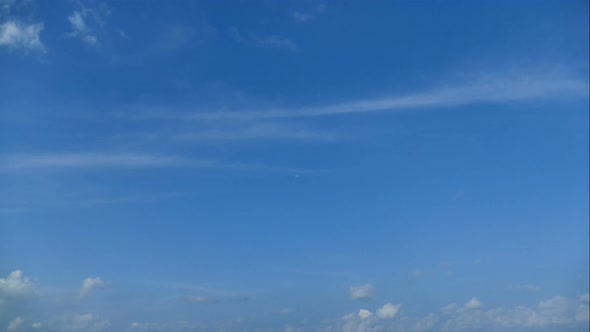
<point x="16" y="284"/>
<point x="388" y="311"/>
<point x="17" y="32"/>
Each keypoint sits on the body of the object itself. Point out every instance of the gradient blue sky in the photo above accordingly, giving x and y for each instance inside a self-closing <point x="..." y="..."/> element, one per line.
<point x="294" y="166"/>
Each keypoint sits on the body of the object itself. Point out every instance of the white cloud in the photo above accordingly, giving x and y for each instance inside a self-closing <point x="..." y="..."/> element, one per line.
<point x="364" y="314"/>
<point x="449" y="308"/>
<point x="18" y="162"/>
<point x="81" y="22"/>
<point x="257" y="131"/>
<point x="77" y="22"/>
<point x="531" y="288"/>
<point x="307" y="16"/>
<point x="79" y="323"/>
<point x="585" y="297"/>
<point x="427" y="323"/>
<point x="80" y="29"/>
<point x="37" y="325"/>
<point x="388" y="311"/>
<point x="89" y="160"/>
<point x="264" y="41"/>
<point x="16" y="34"/>
<point x="16" y="284"/>
<point x="473" y="304"/>
<point x="171" y="326"/>
<point x="91" y="284"/>
<point x="519" y="86"/>
<point x="292" y="329"/>
<point x="582" y="313"/>
<point x="362" y="292"/>
<point x="16" y="324"/>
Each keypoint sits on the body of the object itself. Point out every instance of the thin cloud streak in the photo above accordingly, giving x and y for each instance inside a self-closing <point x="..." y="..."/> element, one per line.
<point x="487" y="89"/>
<point x="19" y="162"/>
<point x="93" y="160"/>
<point x="259" y="131"/>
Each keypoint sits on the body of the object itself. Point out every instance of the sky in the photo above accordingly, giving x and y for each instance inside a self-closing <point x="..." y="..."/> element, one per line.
<point x="294" y="166"/>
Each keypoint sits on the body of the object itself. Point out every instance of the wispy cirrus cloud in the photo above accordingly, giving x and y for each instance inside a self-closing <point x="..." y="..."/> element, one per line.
<point x="20" y="162"/>
<point x="80" y="28"/>
<point x="264" y="41"/>
<point x="306" y="16"/>
<point x="512" y="86"/>
<point x="87" y="23"/>
<point x="93" y="160"/>
<point x="257" y="131"/>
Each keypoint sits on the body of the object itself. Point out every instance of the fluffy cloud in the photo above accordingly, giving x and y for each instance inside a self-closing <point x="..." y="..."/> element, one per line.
<point x="473" y="304"/>
<point x="388" y="311"/>
<point x="15" y="34"/>
<point x="16" y="324"/>
<point x="427" y="323"/>
<point x="16" y="284"/>
<point x="362" y="292"/>
<point x="364" y="314"/>
<point x="90" y="284"/>
<point x="582" y="313"/>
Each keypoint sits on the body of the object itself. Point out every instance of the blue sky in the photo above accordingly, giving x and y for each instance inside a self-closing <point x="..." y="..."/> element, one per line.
<point x="294" y="166"/>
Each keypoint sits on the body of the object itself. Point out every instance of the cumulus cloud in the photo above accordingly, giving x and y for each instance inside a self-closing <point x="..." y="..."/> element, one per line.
<point x="582" y="313"/>
<point x="473" y="304"/>
<point x="90" y="284"/>
<point x="16" y="283"/>
<point x="364" y="314"/>
<point x="362" y="292"/>
<point x="15" y="34"/>
<point x="427" y="323"/>
<point x="388" y="311"/>
<point x="16" y="324"/>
